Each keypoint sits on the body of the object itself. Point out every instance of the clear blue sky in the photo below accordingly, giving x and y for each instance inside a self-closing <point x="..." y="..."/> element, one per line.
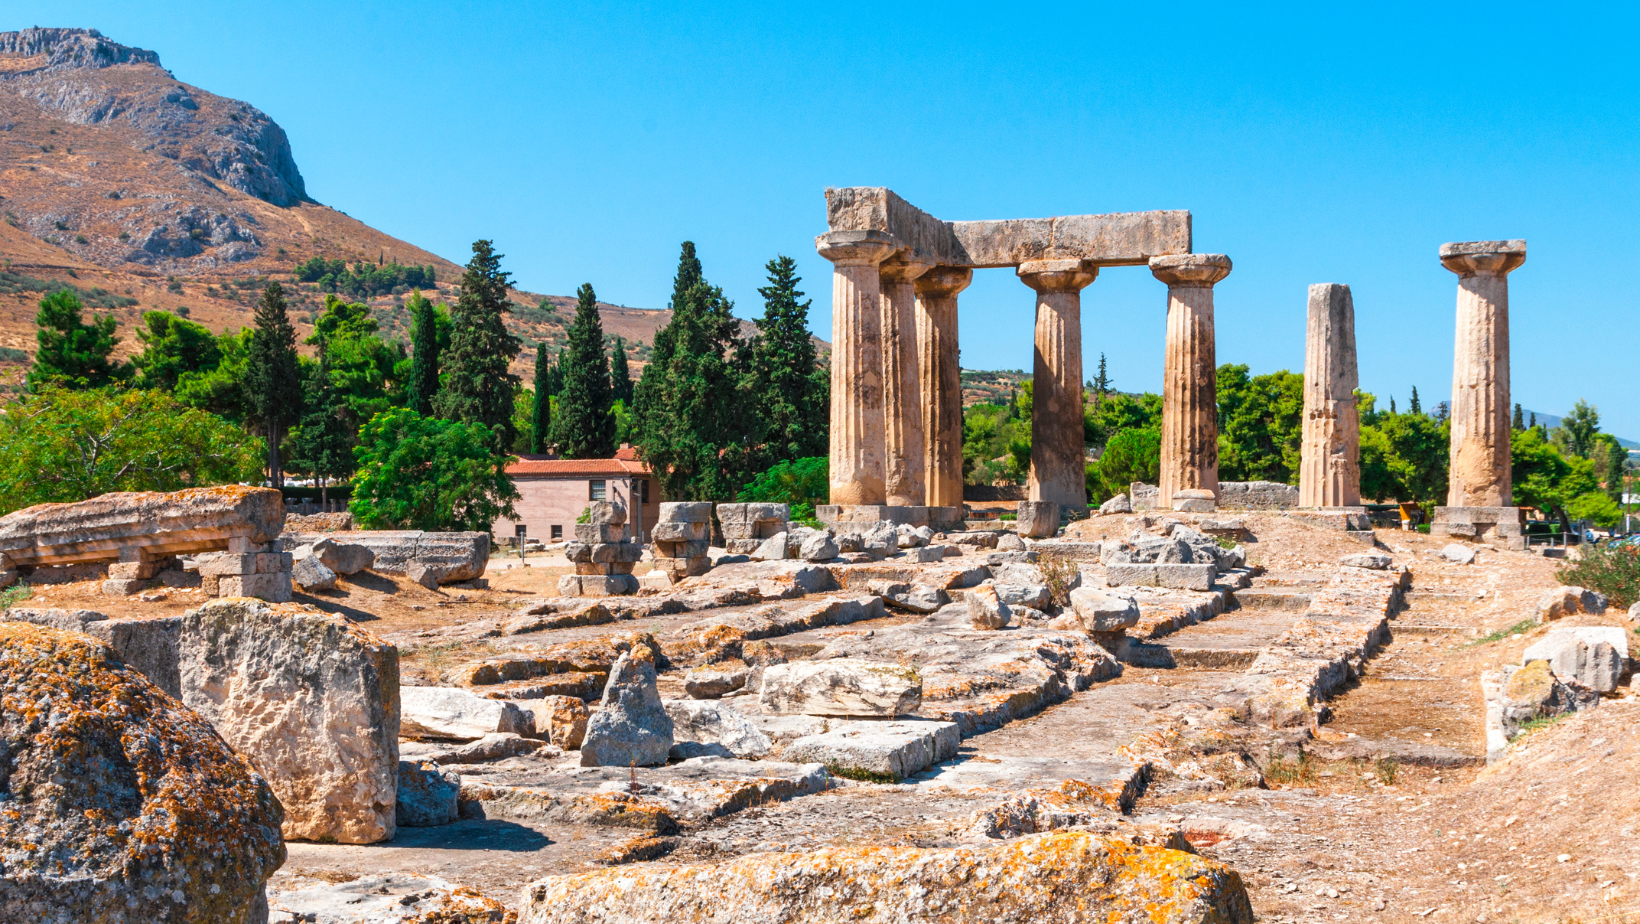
<point x="1312" y="143"/>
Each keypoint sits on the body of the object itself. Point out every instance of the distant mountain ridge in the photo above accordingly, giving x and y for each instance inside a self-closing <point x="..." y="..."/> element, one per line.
<point x="1551" y="421"/>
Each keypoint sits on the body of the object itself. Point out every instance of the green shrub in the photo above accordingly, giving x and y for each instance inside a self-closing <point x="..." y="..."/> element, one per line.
<point x="801" y="481"/>
<point x="1614" y="570"/>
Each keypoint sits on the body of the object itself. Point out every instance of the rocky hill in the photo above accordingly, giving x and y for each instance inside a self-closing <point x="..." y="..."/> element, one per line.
<point x="145" y="192"/>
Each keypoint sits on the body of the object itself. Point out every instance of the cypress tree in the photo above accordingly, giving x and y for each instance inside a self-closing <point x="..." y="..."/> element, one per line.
<point x="273" y="385"/>
<point x="477" y="387"/>
<point x="787" y="384"/>
<point x="646" y="394"/>
<point x="555" y="374"/>
<point x="1519" y="421"/>
<point x="584" y="427"/>
<point x="1101" y="385"/>
<point x="1413" y="405"/>
<point x="620" y="378"/>
<point x="541" y="412"/>
<point x="323" y="444"/>
<point x="423" y="384"/>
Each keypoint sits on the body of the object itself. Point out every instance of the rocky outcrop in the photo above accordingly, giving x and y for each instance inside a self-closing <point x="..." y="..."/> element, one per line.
<point x="1053" y="877"/>
<point x="121" y="805"/>
<point x="309" y="698"/>
<point x="840" y="686"/>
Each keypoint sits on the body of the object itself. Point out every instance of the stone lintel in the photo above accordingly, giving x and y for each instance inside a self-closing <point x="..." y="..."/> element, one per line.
<point x="1116" y="239"/>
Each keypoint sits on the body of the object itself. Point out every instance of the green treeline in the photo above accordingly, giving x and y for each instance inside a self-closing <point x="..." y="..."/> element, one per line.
<point x="363" y="280"/>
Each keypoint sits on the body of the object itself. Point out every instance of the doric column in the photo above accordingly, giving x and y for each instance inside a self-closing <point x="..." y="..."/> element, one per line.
<point x="940" y="373"/>
<point x="903" y="441"/>
<point x="856" y="363"/>
<point x="1329" y="472"/>
<point x="1190" y="421"/>
<point x="1480" y="372"/>
<point x="1057" y="467"/>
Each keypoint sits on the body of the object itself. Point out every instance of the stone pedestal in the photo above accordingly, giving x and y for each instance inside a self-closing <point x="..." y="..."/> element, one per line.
<point x="1330" y="466"/>
<point x="602" y="555"/>
<point x="940" y="375"/>
<point x="904" y="449"/>
<point x="1057" y="468"/>
<point x="682" y="537"/>
<point x="1503" y="525"/>
<point x="1190" y="423"/>
<point x="1038" y="519"/>
<point x="857" y="463"/>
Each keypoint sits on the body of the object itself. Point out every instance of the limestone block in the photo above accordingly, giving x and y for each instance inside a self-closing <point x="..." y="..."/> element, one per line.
<point x="631" y="726"/>
<point x="681" y="532"/>
<point x="588" y="585"/>
<point x="913" y="537"/>
<point x="1143" y="496"/>
<point x="627" y="552"/>
<point x="1517" y="695"/>
<point x="1117" y="504"/>
<point x="712" y="682"/>
<point x="1592" y="656"/>
<point x="309" y="698"/>
<point x="1634" y="611"/>
<point x="273" y="562"/>
<point x="311" y="574"/>
<point x="157" y="525"/>
<point x="204" y="826"/>
<point x="1569" y="601"/>
<point x="770" y="549"/>
<point x="918" y="598"/>
<point x="891" y="750"/>
<point x="560" y="720"/>
<point x="274" y="588"/>
<point x="752" y="521"/>
<point x="133" y="570"/>
<point x="925" y="555"/>
<point x="1257" y="495"/>
<point x="123" y="587"/>
<point x="452" y="714"/>
<point x="1098" y="611"/>
<point x="1045" y="875"/>
<point x="492" y="747"/>
<point x="686" y="512"/>
<point x="597" y="533"/>
<point x="1194" y="500"/>
<point x="1035" y="596"/>
<point x="219" y="564"/>
<point x="427" y="794"/>
<point x="1375" y="561"/>
<point x="1038" y="519"/>
<point x="694" y="548"/>
<point x="606" y="513"/>
<point x="706" y="728"/>
<point x="455" y="556"/>
<point x="343" y="557"/>
<point x="1458" y="554"/>
<point x="840" y="686"/>
<point x="1176" y="576"/>
<point x="986" y="608"/>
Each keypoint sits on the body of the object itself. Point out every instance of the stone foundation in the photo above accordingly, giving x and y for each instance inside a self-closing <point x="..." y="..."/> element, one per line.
<point x="1505" y="525"/>
<point x="846" y="519"/>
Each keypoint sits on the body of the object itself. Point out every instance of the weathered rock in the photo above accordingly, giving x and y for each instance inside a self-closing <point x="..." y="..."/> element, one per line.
<point x="597" y="585"/>
<point x="427" y="794"/>
<point x="810" y="544"/>
<point x="840" y="686"/>
<point x="452" y="714"/>
<point x="770" y="549"/>
<point x="631" y="727"/>
<point x="496" y="746"/>
<point x="918" y="598"/>
<point x="881" y="541"/>
<point x="1459" y="554"/>
<point x="308" y="697"/>
<point x="1010" y="542"/>
<point x="1376" y="561"/>
<point x="148" y="644"/>
<point x="711" y="682"/>
<point x="1035" y="596"/>
<point x="449" y="557"/>
<point x="1634" y="611"/>
<point x="879" y="751"/>
<point x="986" y="609"/>
<point x="913" y="537"/>
<point x="1194" y="500"/>
<point x="1117" y="504"/>
<point x="1177" y="577"/>
<point x="1517" y="695"/>
<point x="311" y="574"/>
<point x="1070" y="877"/>
<point x="1569" y="601"/>
<point x="133" y="809"/>
<point x="1103" y="612"/>
<point x="1593" y="656"/>
<point x="560" y="720"/>
<point x="703" y="728"/>
<point x="1257" y="495"/>
<point x="343" y="557"/>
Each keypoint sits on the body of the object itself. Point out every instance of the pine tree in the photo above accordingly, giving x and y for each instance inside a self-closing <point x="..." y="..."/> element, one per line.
<point x="1101" y="385"/>
<point x="541" y="412"/>
<point x="584" y="427"/>
<point x="477" y="387"/>
<point x="70" y="352"/>
<point x="646" y="392"/>
<point x="620" y="378"/>
<point x="787" y="386"/>
<point x="423" y="385"/>
<point x="1413" y="406"/>
<point x="1519" y="423"/>
<point x="273" y="385"/>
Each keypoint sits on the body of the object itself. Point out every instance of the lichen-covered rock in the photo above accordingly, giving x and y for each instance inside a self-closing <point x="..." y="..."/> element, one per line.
<point x="1067" y="878"/>
<point x="712" y="682"/>
<point x="427" y="794"/>
<point x="840" y="686"/>
<point x="631" y="727"/>
<point x="121" y="806"/>
<point x="312" y="700"/>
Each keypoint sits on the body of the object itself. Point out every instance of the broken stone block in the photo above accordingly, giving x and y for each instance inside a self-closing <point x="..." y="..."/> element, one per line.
<point x="881" y="541"/>
<point x="115" y="747"/>
<point x="1038" y="519"/>
<point x="455" y="557"/>
<point x="1117" y="504"/>
<point x="1569" y="601"/>
<point x="1035" y="596"/>
<point x="840" y="686"/>
<point x="427" y="794"/>
<point x="747" y="522"/>
<point x="986" y="609"/>
<point x="1592" y="656"/>
<point x="123" y="587"/>
<point x="1375" y="561"/>
<point x="1458" y="554"/>
<point x="711" y="683"/>
<point x="342" y="557"/>
<point x="453" y="714"/>
<point x="811" y="544"/>
<point x="1100" y="612"/>
<point x="706" y="728"/>
<point x="308" y="697"/>
<point x="881" y="751"/>
<point x="495" y="746"/>
<point x="918" y="598"/>
<point x="1177" y="577"/>
<point x="586" y="585"/>
<point x="770" y="549"/>
<point x="311" y="574"/>
<point x="926" y="555"/>
<point x="686" y="512"/>
<point x="631" y="727"/>
<point x="912" y="537"/>
<point x="681" y="532"/>
<point x="561" y="720"/>
<point x="1517" y="695"/>
<point x="1009" y="542"/>
<point x="1194" y="500"/>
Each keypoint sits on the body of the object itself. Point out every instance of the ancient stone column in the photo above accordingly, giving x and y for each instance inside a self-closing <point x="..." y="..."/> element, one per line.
<point x="1329" y="472"/>
<point x="1057" y="467"/>
<point x="939" y="367"/>
<point x="857" y="468"/>
<point x="903" y="441"/>
<point x="1190" y="421"/>
<point x="1480" y="372"/>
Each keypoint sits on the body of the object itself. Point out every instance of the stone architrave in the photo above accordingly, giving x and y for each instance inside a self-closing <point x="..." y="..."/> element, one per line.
<point x="1190" y="425"/>
<point x="857" y="463"/>
<point x="1479" y="502"/>
<point x="1330" y="466"/>
<point x="1057" y="467"/>
<point x="941" y="381"/>
<point x="903" y="435"/>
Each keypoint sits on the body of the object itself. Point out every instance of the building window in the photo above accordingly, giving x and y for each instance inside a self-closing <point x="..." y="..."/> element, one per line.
<point x="645" y="483"/>
<point x="557" y="532"/>
<point x="521" y="531"/>
<point x="595" y="490"/>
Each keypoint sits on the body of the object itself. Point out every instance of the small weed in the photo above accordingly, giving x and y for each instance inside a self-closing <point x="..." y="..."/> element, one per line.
<point x="1058" y="573"/>
<point x="861" y="776"/>
<point x="1225" y="542"/>
<point x="1285" y="771"/>
<point x="1525" y="625"/>
<point x="1540" y="723"/>
<point x="14" y="595"/>
<point x="1385" y="768"/>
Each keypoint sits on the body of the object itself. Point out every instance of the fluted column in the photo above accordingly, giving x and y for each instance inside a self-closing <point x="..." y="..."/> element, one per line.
<point x="940" y="372"/>
<point x="1480" y="372"/>
<point x="1057" y="467"/>
<point x="1190" y="422"/>
<point x="857" y="469"/>
<point x="1329" y="473"/>
<point x="903" y="440"/>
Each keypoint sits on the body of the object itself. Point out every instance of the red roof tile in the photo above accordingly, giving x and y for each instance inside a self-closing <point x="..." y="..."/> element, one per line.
<point x="570" y="468"/>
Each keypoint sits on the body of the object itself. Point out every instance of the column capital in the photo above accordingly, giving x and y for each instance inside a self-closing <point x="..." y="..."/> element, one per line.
<point x="943" y="281"/>
<point x="899" y="269"/>
<point x="1057" y="275"/>
<point x="1483" y="258"/>
<point x="1191" y="270"/>
<point x="856" y="248"/>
